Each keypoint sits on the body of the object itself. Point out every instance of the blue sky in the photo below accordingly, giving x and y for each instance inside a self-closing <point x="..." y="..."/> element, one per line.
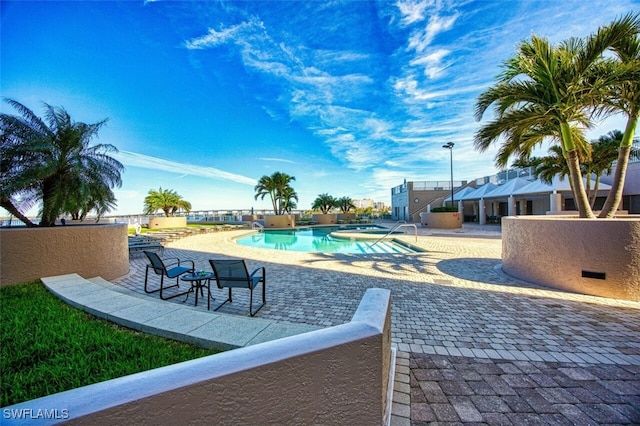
<point x="349" y="97"/>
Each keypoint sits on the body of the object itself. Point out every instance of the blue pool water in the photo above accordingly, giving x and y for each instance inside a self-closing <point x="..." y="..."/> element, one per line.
<point x="318" y="239"/>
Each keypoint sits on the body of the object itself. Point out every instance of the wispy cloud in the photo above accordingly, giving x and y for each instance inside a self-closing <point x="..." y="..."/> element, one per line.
<point x="281" y="160"/>
<point x="153" y="163"/>
<point x="214" y="37"/>
<point x="422" y="39"/>
<point x="413" y="11"/>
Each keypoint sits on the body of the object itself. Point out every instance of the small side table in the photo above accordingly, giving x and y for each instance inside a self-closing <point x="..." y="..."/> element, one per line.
<point x="197" y="281"/>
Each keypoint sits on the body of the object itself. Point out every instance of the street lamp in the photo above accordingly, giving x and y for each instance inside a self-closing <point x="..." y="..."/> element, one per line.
<point x="449" y="146"/>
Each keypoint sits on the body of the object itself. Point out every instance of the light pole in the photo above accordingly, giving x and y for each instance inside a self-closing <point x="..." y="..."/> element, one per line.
<point x="449" y="146"/>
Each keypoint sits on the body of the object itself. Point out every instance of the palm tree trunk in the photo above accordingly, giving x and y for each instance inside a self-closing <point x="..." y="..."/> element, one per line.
<point x="596" y="186"/>
<point x="619" y="175"/>
<point x="617" y="185"/>
<point x="579" y="193"/>
<point x="6" y="204"/>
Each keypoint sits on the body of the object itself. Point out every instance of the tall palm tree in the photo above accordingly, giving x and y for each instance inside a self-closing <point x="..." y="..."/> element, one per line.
<point x="166" y="200"/>
<point x="274" y="186"/>
<point x="52" y="159"/>
<point x="267" y="186"/>
<point x="288" y="199"/>
<point x="603" y="153"/>
<point x="345" y="204"/>
<point x="545" y="93"/>
<point x="626" y="98"/>
<point x="324" y="203"/>
<point x="549" y="166"/>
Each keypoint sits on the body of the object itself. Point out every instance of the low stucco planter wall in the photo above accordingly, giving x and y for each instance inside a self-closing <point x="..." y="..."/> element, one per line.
<point x="280" y="221"/>
<point x="27" y="254"/>
<point x="332" y="376"/>
<point x="167" y="222"/>
<point x="325" y="219"/>
<point x="441" y="220"/>
<point x="600" y="257"/>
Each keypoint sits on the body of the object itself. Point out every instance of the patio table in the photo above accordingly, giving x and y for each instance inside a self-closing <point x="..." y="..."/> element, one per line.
<point x="199" y="281"/>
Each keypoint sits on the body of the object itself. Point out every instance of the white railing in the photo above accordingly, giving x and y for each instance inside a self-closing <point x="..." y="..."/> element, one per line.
<point x="398" y="225"/>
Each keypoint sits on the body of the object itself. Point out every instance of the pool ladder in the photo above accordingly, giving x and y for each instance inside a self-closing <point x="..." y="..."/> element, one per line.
<point x="257" y="225"/>
<point x="399" y="224"/>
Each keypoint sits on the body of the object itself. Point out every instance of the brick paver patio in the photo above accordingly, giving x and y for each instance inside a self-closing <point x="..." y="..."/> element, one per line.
<point x="475" y="345"/>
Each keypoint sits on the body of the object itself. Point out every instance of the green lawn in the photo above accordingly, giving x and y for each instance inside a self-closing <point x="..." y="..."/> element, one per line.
<point x="47" y="346"/>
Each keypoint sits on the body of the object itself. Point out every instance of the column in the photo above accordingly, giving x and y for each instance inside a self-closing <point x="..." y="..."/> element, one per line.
<point x="523" y="207"/>
<point x="555" y="202"/>
<point x="511" y="205"/>
<point x="483" y="214"/>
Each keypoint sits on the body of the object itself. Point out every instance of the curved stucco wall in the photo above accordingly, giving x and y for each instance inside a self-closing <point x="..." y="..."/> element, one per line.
<point x="325" y="219"/>
<point x="279" y="221"/>
<point x="167" y="222"/>
<point x="28" y="254"/>
<point x="442" y="220"/>
<point x="600" y="257"/>
<point x="332" y="376"/>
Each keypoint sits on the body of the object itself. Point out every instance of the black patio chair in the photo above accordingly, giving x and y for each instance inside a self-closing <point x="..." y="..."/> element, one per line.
<point x="234" y="273"/>
<point x="173" y="269"/>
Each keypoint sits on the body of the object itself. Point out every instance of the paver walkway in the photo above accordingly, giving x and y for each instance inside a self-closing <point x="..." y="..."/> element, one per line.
<point x="475" y="345"/>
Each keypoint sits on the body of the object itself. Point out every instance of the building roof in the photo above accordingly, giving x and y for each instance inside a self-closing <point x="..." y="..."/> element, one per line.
<point x="482" y="192"/>
<point x="460" y="194"/>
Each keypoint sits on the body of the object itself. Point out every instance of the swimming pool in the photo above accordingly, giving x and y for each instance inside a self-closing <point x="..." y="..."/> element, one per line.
<point x="320" y="240"/>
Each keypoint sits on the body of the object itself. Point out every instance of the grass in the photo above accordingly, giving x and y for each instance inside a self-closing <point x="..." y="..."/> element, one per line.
<point x="47" y="346"/>
<point x="144" y="229"/>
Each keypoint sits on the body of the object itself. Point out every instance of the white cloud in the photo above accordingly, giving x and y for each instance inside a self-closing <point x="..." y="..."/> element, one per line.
<point x="432" y="63"/>
<point x="420" y="40"/>
<point x="215" y="38"/>
<point x="153" y="163"/>
<point x="281" y="160"/>
<point x="413" y="11"/>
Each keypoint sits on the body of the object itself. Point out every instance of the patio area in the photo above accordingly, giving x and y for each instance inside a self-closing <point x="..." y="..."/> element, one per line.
<point x="475" y="345"/>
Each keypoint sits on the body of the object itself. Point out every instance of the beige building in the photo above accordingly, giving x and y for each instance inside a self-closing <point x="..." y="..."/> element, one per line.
<point x="508" y="193"/>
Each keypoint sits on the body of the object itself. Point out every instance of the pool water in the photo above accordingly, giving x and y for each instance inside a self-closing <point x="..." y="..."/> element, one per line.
<point x="319" y="240"/>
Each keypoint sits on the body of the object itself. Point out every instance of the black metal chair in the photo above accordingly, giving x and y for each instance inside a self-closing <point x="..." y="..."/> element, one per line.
<point x="170" y="270"/>
<point x="234" y="273"/>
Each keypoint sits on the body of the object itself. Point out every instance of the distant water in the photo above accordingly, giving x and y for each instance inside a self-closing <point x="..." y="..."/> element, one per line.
<point x="16" y="222"/>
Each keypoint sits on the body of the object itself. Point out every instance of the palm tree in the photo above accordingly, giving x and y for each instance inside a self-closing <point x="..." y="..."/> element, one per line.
<point x="545" y="93"/>
<point x="267" y="186"/>
<point x="288" y="199"/>
<point x="166" y="200"/>
<point x="604" y="152"/>
<point x="547" y="167"/>
<point x="324" y="203"/>
<point x="626" y="98"/>
<point x="51" y="161"/>
<point x="274" y="186"/>
<point x="345" y="204"/>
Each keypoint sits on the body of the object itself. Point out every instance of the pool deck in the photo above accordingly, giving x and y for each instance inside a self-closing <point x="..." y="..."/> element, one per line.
<point x="475" y="345"/>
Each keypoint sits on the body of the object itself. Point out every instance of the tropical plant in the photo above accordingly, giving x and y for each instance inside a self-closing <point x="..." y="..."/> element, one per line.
<point x="166" y="200"/>
<point x="277" y="187"/>
<point x="325" y="203"/>
<point x="547" y="93"/>
<point x="604" y="152"/>
<point x="345" y="204"/>
<point x="626" y="99"/>
<point x="288" y="200"/>
<point x="50" y="161"/>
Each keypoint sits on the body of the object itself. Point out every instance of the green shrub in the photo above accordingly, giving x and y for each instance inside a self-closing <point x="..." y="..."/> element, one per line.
<point x="444" y="209"/>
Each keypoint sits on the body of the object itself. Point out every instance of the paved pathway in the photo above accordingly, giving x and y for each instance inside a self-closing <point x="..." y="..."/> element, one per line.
<point x="475" y="345"/>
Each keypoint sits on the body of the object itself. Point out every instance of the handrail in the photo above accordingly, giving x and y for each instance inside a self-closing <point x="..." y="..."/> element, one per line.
<point x="399" y="224"/>
<point x="258" y="225"/>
